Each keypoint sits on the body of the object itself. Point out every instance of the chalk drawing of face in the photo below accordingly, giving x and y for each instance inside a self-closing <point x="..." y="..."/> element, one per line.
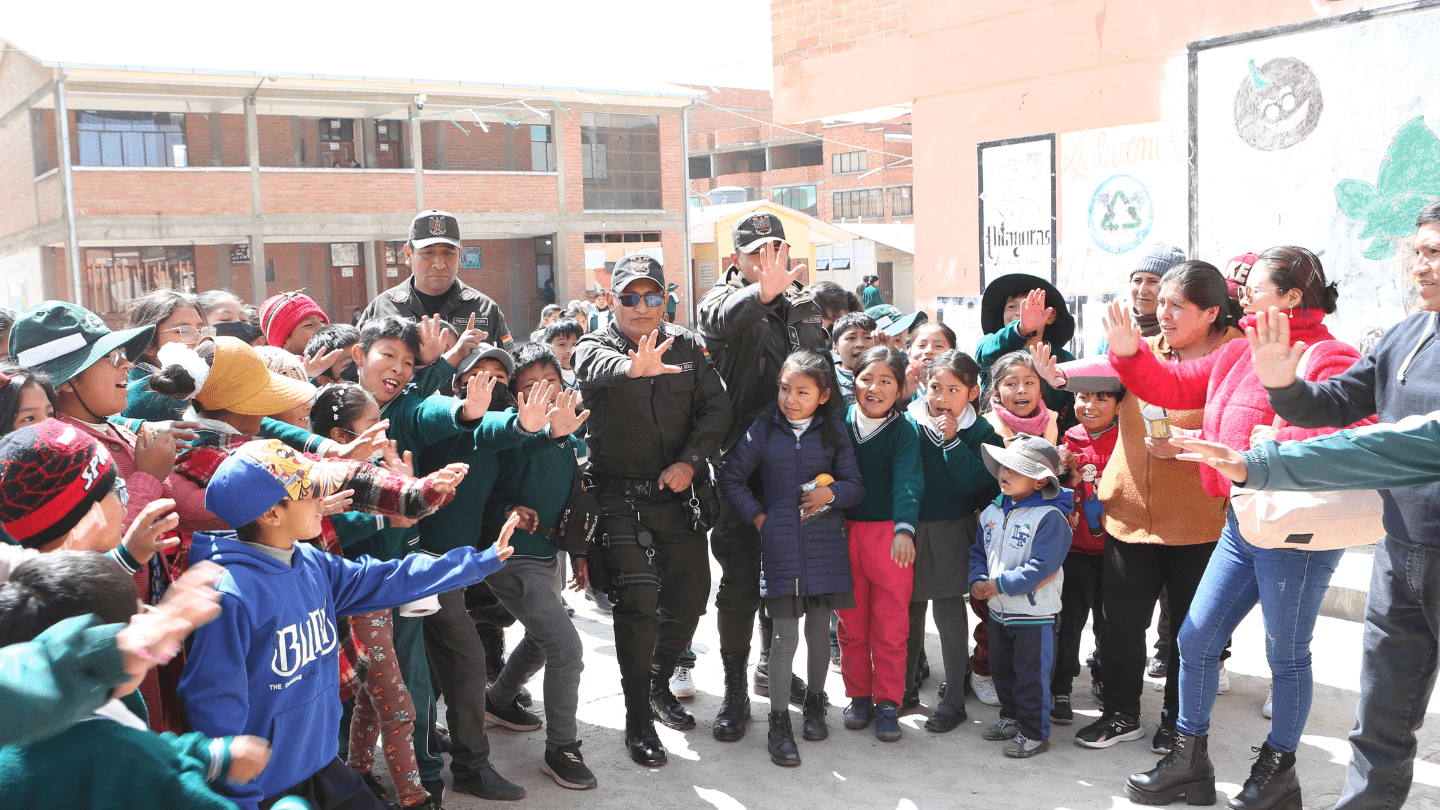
<point x="1278" y="104"/>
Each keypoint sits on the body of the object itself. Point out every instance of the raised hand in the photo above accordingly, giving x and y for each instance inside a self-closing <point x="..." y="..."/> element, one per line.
<point x="647" y="360"/>
<point x="445" y="479"/>
<point x="533" y="408"/>
<point x="368" y="443"/>
<point x="1263" y="433"/>
<point x="321" y="361"/>
<point x="563" y="418"/>
<point x="155" y="453"/>
<point x="431" y="343"/>
<point x="337" y="503"/>
<point x="397" y="462"/>
<point x="152" y="638"/>
<point x="183" y="432"/>
<point x="776" y="275"/>
<point x="1229" y="462"/>
<point x="1120" y="330"/>
<point x="477" y="396"/>
<point x="503" y="549"/>
<point x="1034" y="314"/>
<point x="469" y="339"/>
<point x="1275" y="360"/>
<point x="145" y="535"/>
<point x="1047" y="366"/>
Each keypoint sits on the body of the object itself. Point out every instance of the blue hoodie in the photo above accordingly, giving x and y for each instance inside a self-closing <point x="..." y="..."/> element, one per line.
<point x="269" y="665"/>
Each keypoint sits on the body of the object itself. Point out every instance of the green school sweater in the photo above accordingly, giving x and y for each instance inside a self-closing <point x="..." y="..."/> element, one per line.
<point x="955" y="475"/>
<point x="462" y="521"/>
<point x="537" y="475"/>
<point x="890" y="462"/>
<point x="100" y="763"/>
<point x="66" y="673"/>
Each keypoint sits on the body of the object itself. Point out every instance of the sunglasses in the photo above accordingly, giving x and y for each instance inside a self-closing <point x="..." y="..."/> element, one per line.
<point x="632" y="300"/>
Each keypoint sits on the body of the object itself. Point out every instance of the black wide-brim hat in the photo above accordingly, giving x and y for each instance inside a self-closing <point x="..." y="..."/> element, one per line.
<point x="997" y="292"/>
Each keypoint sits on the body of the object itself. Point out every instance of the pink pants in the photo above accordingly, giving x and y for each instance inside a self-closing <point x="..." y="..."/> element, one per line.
<point x="874" y="632"/>
<point x="384" y="707"/>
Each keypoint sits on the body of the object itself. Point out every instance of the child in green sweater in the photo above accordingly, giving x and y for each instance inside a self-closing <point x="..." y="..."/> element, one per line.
<point x="109" y="759"/>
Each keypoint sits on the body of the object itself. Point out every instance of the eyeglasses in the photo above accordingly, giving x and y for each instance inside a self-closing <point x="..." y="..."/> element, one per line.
<point x="651" y="300"/>
<point x="191" y="335"/>
<point x="1251" y="292"/>
<point x="123" y="491"/>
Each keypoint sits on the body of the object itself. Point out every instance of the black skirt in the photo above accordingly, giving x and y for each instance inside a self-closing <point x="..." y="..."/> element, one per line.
<point x="793" y="607"/>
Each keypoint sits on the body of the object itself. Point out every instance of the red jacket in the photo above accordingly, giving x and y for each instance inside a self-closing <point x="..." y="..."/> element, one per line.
<point x="1092" y="453"/>
<point x="1224" y="383"/>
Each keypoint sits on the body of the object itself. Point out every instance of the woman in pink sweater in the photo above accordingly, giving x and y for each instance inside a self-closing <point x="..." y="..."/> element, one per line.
<point x="1288" y="584"/>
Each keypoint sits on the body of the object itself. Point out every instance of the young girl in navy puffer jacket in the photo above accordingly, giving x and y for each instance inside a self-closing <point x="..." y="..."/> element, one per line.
<point x="804" y="553"/>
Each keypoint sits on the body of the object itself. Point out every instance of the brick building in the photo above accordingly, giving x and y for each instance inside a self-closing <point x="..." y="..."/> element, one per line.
<point x="115" y="180"/>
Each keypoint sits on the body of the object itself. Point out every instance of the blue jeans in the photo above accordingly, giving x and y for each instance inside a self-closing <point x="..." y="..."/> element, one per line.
<point x="1289" y="585"/>
<point x="1397" y="674"/>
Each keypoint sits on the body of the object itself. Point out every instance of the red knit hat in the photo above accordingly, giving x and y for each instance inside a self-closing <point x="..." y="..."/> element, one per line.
<point x="1237" y="272"/>
<point x="51" y="474"/>
<point x="281" y="313"/>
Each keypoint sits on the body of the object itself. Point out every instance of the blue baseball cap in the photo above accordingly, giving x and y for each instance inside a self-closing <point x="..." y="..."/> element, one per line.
<point x="263" y="473"/>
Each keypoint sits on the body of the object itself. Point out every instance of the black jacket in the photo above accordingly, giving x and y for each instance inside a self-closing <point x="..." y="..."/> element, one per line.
<point x="462" y="300"/>
<point x="1400" y="377"/>
<point x="749" y="341"/>
<point x="638" y="427"/>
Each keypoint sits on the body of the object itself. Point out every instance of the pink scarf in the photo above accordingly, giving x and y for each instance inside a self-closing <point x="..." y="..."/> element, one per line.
<point x="1033" y="425"/>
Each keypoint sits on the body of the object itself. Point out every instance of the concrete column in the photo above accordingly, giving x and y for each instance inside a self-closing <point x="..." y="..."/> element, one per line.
<point x="222" y="256"/>
<point x="370" y="160"/>
<point x="257" y="209"/>
<point x="442" y="134"/>
<point x="363" y="143"/>
<point x="372" y="269"/>
<point x="768" y="158"/>
<point x="417" y="158"/>
<point x="297" y="142"/>
<point x="67" y="182"/>
<point x="689" y="284"/>
<point x="559" y="262"/>
<point x="560" y="268"/>
<point x="510" y="148"/>
<point x="557" y="137"/>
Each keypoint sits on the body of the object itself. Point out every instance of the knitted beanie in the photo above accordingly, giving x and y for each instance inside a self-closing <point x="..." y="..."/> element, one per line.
<point x="50" y="475"/>
<point x="1155" y="258"/>
<point x="280" y="314"/>
<point x="1237" y="272"/>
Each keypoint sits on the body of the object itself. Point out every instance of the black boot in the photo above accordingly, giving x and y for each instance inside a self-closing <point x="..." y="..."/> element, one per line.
<point x="641" y="741"/>
<point x="782" y="741"/>
<point x="1186" y="771"/>
<point x="735" y="706"/>
<point x="663" y="703"/>
<point x="1273" y="783"/>
<point x="814" y="711"/>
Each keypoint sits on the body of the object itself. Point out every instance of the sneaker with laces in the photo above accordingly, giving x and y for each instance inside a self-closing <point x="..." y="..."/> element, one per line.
<point x="1157" y="667"/>
<point x="681" y="684"/>
<point x="859" y="713"/>
<point x="1269" y="707"/>
<point x="887" y="721"/>
<point x="1060" y="711"/>
<point x="1022" y="747"/>
<point x="984" y="687"/>
<point x="564" y="764"/>
<point x="512" y="716"/>
<point x="835" y="660"/>
<point x="1224" y="680"/>
<point x="1111" y="728"/>
<point x="1004" y="729"/>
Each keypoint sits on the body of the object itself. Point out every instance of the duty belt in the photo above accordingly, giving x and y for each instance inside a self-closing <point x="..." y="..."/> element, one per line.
<point x="635" y="489"/>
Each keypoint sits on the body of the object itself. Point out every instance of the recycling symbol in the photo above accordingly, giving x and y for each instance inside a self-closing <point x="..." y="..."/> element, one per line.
<point x="1121" y="214"/>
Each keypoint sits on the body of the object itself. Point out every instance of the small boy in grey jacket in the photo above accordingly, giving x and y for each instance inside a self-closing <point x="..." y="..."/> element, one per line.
<point x="1015" y="563"/>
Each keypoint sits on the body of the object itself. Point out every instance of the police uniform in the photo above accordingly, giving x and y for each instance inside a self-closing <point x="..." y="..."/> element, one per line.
<point x="749" y="341"/>
<point x="652" y="543"/>
<point x="461" y="300"/>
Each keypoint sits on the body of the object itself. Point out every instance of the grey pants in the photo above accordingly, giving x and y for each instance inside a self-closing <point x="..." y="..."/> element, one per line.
<point x="457" y="667"/>
<point x="782" y="655"/>
<point x="952" y="622"/>
<point x="527" y="587"/>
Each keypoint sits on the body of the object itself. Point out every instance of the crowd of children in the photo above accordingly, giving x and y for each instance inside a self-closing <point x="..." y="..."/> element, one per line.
<point x="341" y="476"/>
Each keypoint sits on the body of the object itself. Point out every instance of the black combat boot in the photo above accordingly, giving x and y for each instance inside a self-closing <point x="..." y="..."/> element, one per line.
<point x="782" y="741"/>
<point x="1273" y="783"/>
<point x="1186" y="771"/>
<point x="735" y="706"/>
<point x="814" y="727"/>
<point x="663" y="703"/>
<point x="641" y="741"/>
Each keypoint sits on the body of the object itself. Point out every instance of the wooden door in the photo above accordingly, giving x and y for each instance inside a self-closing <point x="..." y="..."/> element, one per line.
<point x="347" y="291"/>
<point x="886" y="272"/>
<point x="387" y="155"/>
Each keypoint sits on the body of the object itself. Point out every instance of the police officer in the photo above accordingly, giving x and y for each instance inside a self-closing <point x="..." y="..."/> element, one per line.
<point x="658" y="411"/>
<point x="433" y="253"/>
<point x="751" y="320"/>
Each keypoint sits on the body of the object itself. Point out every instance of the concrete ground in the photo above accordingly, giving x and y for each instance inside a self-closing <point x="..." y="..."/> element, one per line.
<point x="925" y="770"/>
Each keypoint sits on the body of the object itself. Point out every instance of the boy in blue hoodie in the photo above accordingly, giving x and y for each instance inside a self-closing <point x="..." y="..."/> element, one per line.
<point x="1016" y="564"/>
<point x="268" y="666"/>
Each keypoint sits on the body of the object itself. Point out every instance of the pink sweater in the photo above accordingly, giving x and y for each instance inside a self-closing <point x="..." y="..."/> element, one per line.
<point x="1224" y="384"/>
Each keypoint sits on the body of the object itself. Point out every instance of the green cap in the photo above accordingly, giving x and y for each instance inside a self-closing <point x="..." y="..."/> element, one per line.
<point x="63" y="339"/>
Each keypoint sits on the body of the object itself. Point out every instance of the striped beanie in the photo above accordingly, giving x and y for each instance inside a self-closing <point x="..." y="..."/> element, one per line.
<point x="280" y="314"/>
<point x="51" y="474"/>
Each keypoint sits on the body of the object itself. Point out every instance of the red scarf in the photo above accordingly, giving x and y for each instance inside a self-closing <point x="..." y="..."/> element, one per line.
<point x="1033" y="425"/>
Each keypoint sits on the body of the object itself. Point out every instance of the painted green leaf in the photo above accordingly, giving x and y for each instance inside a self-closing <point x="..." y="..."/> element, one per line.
<point x="1409" y="177"/>
<point x="1354" y="198"/>
<point x="1380" y="249"/>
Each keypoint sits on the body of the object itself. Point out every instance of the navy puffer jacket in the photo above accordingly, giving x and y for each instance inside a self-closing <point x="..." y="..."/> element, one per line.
<point x="795" y="559"/>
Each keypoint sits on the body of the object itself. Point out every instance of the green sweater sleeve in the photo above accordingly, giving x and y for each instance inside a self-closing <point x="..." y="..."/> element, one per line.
<point x="352" y="527"/>
<point x="909" y="479"/>
<point x="298" y="438"/>
<point x="1373" y="457"/>
<point x="419" y="422"/>
<point x="1002" y="341"/>
<point x="65" y="674"/>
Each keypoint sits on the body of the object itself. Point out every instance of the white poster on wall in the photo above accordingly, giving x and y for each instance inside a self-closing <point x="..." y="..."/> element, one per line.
<point x="1017" y="208"/>
<point x="1121" y="188"/>
<point x="1326" y="138"/>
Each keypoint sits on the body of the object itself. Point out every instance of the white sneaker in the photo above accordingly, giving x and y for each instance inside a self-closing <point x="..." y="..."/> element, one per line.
<point x="984" y="688"/>
<point x="681" y="686"/>
<point x="1269" y="707"/>
<point x="1224" y="681"/>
